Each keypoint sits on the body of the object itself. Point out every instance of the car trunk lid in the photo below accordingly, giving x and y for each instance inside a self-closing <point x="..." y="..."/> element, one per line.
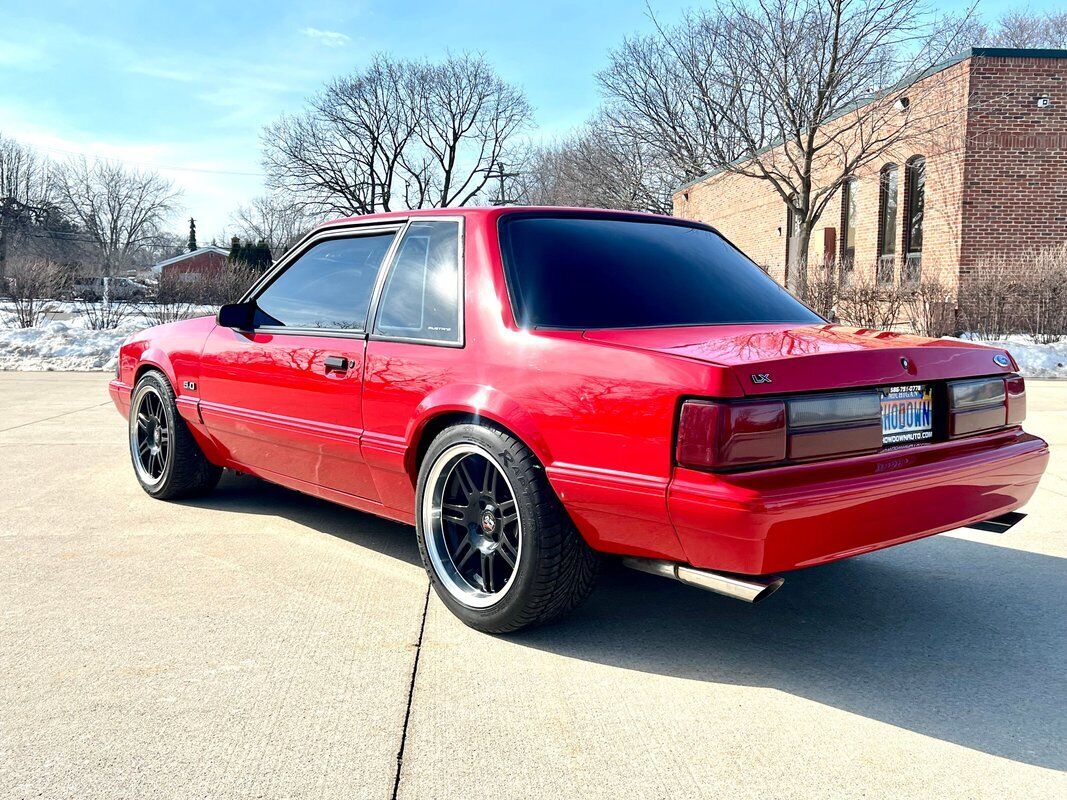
<point x="776" y="359"/>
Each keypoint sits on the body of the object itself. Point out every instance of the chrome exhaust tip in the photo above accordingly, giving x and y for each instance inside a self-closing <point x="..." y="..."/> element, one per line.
<point x="1001" y="524"/>
<point x="750" y="589"/>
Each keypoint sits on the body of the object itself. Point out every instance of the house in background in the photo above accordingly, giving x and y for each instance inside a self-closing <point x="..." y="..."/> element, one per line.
<point x="194" y="266"/>
<point x="988" y="177"/>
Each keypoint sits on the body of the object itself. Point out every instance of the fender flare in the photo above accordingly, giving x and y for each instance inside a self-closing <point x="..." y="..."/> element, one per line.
<point x="480" y="401"/>
<point x="156" y="358"/>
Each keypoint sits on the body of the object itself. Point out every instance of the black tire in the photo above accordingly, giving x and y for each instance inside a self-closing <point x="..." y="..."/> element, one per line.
<point x="183" y="469"/>
<point x="555" y="570"/>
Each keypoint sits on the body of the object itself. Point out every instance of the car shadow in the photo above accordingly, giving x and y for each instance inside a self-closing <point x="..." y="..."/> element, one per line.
<point x="245" y="494"/>
<point x="950" y="638"/>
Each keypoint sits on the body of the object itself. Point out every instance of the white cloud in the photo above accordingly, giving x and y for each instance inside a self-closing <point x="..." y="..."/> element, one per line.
<point x="328" y="38"/>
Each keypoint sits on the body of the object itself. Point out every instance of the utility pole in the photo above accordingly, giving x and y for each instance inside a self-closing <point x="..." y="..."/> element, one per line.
<point x="501" y="175"/>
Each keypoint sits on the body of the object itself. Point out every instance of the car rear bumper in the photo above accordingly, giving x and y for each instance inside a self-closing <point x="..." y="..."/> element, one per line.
<point x="773" y="520"/>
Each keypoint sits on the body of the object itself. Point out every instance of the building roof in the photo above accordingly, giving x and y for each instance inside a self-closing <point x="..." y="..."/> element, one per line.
<point x="970" y="52"/>
<point x="222" y="251"/>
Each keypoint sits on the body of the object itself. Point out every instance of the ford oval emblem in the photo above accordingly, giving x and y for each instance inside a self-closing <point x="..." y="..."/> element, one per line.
<point x="1001" y="360"/>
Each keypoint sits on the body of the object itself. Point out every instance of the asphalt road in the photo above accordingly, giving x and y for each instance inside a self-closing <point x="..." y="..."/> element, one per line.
<point x="260" y="643"/>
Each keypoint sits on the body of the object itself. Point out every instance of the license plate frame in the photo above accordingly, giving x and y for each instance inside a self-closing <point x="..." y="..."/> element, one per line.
<point x="907" y="414"/>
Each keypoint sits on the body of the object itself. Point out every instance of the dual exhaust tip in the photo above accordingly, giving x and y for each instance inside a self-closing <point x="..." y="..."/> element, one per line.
<point x="753" y="589"/>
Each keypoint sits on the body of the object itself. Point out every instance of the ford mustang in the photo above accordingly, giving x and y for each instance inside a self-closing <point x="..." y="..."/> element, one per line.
<point x="534" y="388"/>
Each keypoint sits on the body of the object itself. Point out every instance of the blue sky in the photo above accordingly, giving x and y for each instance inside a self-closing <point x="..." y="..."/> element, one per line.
<point x="186" y="87"/>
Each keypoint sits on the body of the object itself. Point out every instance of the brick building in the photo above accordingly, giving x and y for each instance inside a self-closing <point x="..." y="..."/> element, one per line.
<point x="986" y="176"/>
<point x="194" y="266"/>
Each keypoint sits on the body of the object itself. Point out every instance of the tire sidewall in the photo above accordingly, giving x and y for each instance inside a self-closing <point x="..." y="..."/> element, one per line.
<point x="526" y="576"/>
<point x="149" y="381"/>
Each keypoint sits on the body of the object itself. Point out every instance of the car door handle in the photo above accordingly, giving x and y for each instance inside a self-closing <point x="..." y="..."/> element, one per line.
<point x="336" y="364"/>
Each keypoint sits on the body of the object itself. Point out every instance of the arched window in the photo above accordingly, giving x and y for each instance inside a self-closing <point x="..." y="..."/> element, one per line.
<point x="848" y="225"/>
<point x="914" y="205"/>
<point x="887" y="223"/>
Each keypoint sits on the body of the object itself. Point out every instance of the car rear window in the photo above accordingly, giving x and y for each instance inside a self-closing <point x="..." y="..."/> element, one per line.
<point x="602" y="272"/>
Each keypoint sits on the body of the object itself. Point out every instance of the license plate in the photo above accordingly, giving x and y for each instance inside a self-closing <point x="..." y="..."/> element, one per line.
<point x="907" y="414"/>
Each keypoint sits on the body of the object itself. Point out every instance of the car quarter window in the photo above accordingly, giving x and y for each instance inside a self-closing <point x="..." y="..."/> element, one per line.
<point x="420" y="299"/>
<point x="328" y="287"/>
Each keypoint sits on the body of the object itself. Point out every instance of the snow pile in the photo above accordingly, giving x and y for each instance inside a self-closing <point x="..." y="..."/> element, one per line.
<point x="1034" y="360"/>
<point x="65" y="342"/>
<point x="62" y="346"/>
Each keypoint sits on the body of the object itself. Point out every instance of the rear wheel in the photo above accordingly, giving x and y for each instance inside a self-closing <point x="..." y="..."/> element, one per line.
<point x="498" y="546"/>
<point x="168" y="462"/>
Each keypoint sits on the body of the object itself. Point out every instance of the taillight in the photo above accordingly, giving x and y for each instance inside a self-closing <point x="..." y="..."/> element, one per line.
<point x="834" y="424"/>
<point x="725" y="435"/>
<point x="967" y="395"/>
<point x="1016" y="388"/>
<point x="721" y="435"/>
<point x="982" y="404"/>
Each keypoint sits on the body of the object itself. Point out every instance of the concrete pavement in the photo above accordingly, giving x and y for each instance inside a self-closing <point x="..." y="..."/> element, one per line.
<point x="260" y="643"/>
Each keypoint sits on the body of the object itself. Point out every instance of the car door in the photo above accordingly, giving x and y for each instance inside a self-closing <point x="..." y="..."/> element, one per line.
<point x="285" y="398"/>
<point x="415" y="346"/>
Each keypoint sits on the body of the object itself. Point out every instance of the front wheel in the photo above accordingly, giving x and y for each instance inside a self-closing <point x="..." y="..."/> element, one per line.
<point x="500" y="550"/>
<point x="168" y="462"/>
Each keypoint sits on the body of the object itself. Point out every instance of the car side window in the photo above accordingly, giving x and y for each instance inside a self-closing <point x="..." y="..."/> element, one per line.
<point x="420" y="299"/>
<point x="327" y="287"/>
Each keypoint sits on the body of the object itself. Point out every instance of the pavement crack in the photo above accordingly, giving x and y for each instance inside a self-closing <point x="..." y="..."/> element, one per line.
<point x="411" y="695"/>
<point x="57" y="416"/>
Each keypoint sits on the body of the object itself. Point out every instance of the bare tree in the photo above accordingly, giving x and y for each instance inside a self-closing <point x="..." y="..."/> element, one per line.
<point x="32" y="227"/>
<point x="791" y="92"/>
<point x="599" y="166"/>
<point x="1023" y="29"/>
<point x="163" y="245"/>
<point x="120" y="209"/>
<point x="275" y="219"/>
<point x="652" y="101"/>
<point x="23" y="174"/>
<point x="345" y="153"/>
<point x="23" y="191"/>
<point x="1026" y="29"/>
<point x="399" y="134"/>
<point x="467" y="117"/>
<point x="31" y="284"/>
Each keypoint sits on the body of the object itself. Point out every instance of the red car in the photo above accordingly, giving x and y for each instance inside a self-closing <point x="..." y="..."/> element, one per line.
<point x="533" y="387"/>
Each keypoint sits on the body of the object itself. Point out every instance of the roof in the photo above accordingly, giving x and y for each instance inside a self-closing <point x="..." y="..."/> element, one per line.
<point x="970" y="52"/>
<point x="222" y="251"/>
<point x="480" y="211"/>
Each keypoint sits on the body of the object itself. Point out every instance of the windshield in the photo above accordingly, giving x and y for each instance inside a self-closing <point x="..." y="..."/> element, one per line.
<point x="578" y="272"/>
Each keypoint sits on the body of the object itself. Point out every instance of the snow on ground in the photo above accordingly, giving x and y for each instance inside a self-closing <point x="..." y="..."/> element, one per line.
<point x="1034" y="360"/>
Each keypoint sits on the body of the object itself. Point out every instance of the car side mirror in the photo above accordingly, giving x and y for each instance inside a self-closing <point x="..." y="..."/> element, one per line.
<point x="236" y="315"/>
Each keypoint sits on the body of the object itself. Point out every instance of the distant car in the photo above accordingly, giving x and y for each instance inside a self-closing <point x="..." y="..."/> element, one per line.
<point x="533" y="387"/>
<point x="117" y="289"/>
